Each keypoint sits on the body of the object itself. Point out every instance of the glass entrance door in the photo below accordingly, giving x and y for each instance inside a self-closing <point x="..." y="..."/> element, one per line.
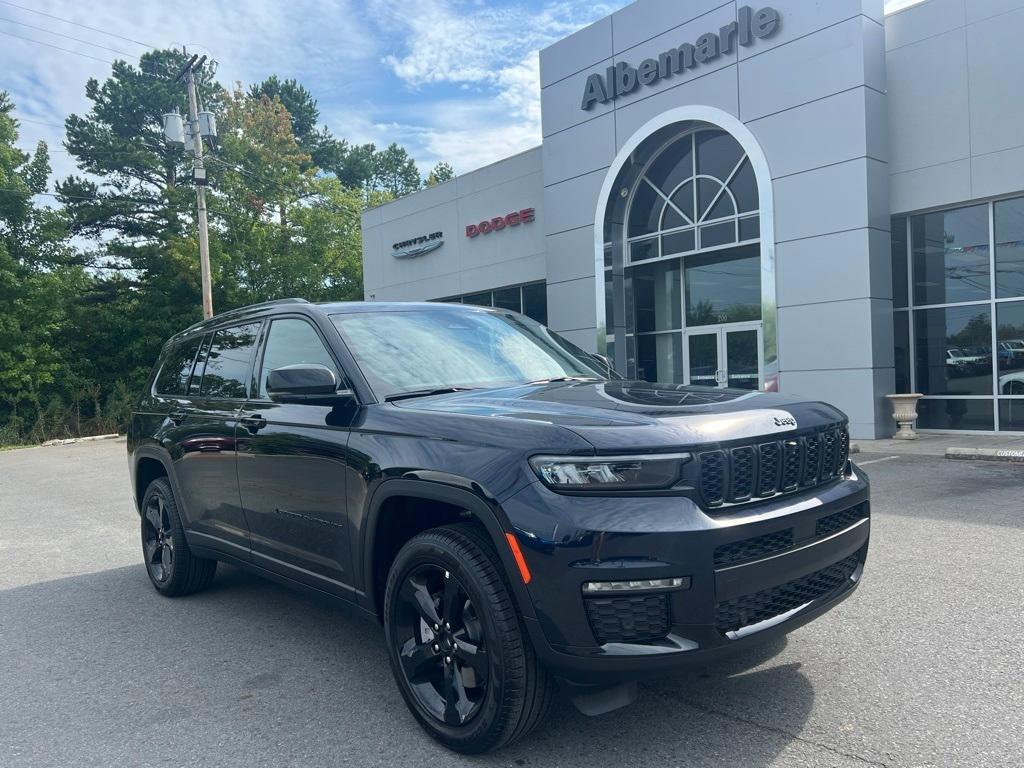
<point x="724" y="356"/>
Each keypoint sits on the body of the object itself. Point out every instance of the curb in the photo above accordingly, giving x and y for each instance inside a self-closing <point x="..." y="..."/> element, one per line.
<point x="986" y="454"/>
<point x="74" y="440"/>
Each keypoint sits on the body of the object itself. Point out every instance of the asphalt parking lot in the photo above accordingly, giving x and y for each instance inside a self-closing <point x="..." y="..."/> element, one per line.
<point x="922" y="667"/>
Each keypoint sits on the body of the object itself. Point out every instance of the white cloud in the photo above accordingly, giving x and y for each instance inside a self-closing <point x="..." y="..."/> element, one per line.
<point x="490" y="50"/>
<point x="325" y="44"/>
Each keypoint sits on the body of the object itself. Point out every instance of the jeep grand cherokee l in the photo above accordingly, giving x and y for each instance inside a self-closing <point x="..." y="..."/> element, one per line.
<point x="516" y="515"/>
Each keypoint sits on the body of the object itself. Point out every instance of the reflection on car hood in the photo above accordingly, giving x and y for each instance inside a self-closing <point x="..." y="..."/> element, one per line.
<point x="618" y="415"/>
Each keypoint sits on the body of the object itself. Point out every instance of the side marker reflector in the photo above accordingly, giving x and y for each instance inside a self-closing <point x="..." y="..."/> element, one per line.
<point x="517" y="553"/>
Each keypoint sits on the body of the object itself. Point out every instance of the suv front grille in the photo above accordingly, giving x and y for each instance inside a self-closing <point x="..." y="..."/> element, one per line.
<point x="754" y="548"/>
<point x="837" y="521"/>
<point x="731" y="615"/>
<point x="628" y="619"/>
<point x="767" y="468"/>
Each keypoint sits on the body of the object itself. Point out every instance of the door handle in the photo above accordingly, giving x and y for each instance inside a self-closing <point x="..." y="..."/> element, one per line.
<point x="253" y="423"/>
<point x="177" y="416"/>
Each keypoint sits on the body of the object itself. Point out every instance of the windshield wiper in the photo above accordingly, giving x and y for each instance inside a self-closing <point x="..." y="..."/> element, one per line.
<point x="563" y="378"/>
<point x="425" y="393"/>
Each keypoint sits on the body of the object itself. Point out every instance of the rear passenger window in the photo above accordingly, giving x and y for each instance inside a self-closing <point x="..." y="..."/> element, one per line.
<point x="177" y="367"/>
<point x="228" y="362"/>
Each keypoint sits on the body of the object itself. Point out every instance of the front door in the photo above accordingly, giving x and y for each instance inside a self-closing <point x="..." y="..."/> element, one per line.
<point x="724" y="356"/>
<point x="292" y="467"/>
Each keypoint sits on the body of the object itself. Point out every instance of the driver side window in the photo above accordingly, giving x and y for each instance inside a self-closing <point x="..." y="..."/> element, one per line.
<point x="291" y="342"/>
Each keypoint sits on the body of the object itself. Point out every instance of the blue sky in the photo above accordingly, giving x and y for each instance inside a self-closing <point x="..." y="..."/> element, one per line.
<point x="453" y="80"/>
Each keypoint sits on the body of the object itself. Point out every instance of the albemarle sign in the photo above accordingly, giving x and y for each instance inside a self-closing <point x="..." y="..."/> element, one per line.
<point x="623" y="78"/>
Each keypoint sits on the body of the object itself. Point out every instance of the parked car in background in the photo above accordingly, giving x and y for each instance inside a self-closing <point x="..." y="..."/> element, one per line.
<point x="516" y="515"/>
<point x="1011" y="354"/>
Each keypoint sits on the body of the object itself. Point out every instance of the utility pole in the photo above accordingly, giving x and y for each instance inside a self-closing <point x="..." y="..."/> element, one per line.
<point x="199" y="176"/>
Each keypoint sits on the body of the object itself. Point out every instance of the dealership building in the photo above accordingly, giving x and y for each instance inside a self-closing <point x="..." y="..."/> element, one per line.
<point x="809" y="196"/>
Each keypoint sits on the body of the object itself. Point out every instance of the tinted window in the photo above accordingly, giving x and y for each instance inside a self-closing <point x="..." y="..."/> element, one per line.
<point x="899" y="262"/>
<point x="954" y="351"/>
<point x="292" y="342"/>
<point x="227" y="364"/>
<point x="951" y="256"/>
<point x="173" y="377"/>
<point x="535" y="302"/>
<point x="1009" y="216"/>
<point x="724" y="289"/>
<point x="197" y="376"/>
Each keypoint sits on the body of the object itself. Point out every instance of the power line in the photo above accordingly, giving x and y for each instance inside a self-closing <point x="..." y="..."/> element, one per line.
<point x="76" y="24"/>
<point x="37" y="122"/>
<point x="141" y="71"/>
<point x="56" y="47"/>
<point x="69" y="37"/>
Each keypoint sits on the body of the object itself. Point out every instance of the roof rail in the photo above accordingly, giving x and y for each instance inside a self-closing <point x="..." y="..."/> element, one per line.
<point x="242" y="310"/>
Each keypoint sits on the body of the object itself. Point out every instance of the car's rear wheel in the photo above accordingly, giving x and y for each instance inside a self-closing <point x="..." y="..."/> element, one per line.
<point x="171" y="566"/>
<point x="457" y="646"/>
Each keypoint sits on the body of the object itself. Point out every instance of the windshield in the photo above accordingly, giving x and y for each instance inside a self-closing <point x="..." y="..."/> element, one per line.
<point x="426" y="349"/>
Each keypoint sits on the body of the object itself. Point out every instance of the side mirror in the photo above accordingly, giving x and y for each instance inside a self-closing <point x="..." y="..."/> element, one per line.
<point x="306" y="383"/>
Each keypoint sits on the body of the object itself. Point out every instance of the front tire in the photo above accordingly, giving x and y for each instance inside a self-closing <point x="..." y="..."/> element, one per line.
<point x="457" y="647"/>
<point x="170" y="564"/>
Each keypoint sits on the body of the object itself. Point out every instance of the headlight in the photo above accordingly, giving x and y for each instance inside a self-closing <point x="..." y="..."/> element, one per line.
<point x="611" y="473"/>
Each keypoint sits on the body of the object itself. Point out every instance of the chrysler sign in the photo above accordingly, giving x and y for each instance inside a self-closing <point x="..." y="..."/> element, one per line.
<point x="417" y="246"/>
<point x="623" y="78"/>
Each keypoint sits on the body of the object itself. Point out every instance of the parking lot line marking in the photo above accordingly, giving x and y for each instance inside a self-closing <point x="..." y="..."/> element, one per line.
<point x="875" y="461"/>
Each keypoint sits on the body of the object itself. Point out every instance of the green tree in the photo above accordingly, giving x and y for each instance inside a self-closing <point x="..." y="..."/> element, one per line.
<point x="394" y="172"/>
<point x="440" y="173"/>
<point x="36" y="276"/>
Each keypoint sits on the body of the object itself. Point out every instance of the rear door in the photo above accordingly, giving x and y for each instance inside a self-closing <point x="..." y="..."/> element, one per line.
<point x="291" y="467"/>
<point x="205" y="455"/>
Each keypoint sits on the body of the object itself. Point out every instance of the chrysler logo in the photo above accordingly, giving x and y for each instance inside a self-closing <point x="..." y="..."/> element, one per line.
<point x="417" y="246"/>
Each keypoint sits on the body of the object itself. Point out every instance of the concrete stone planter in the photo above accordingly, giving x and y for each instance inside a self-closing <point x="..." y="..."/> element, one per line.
<point x="904" y="412"/>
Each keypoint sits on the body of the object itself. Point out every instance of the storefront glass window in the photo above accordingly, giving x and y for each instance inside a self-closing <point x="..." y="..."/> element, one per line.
<point x="1010" y="344"/>
<point x="970" y="372"/>
<point x="656" y="294"/>
<point x="530" y="299"/>
<point x="951" y="256"/>
<point x="724" y="288"/>
<point x="954" y="350"/>
<point x="899" y="261"/>
<point x="660" y="357"/>
<point x="1009" y="221"/>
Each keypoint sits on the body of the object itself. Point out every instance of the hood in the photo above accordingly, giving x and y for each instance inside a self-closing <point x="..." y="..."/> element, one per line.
<point x="639" y="415"/>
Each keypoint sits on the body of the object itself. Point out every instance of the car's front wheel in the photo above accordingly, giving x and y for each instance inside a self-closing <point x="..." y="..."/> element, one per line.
<point x="171" y="566"/>
<point x="458" y="649"/>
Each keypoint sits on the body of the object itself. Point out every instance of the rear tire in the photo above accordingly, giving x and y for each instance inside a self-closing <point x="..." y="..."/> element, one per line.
<point x="457" y="647"/>
<point x="170" y="564"/>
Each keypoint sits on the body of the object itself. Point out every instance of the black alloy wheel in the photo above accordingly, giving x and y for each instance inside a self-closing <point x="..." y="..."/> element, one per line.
<point x="457" y="646"/>
<point x="441" y="644"/>
<point x="157" y="541"/>
<point x="170" y="564"/>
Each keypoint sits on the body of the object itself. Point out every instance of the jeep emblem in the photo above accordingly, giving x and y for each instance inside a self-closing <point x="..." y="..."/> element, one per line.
<point x="785" y="421"/>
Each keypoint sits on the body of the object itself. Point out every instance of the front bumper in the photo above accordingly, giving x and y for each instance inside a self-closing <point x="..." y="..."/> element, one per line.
<point x="753" y="572"/>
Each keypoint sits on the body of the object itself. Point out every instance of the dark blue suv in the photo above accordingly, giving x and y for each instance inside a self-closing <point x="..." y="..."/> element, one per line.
<point x="517" y="516"/>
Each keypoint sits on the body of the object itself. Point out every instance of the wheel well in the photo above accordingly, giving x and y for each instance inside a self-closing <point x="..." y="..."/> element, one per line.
<point x="146" y="472"/>
<point x="400" y="518"/>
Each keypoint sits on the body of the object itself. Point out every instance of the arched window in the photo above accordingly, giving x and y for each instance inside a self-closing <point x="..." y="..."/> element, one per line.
<point x="697" y="193"/>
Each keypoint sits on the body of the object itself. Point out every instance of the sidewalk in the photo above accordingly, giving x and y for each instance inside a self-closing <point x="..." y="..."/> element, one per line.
<point x="952" y="446"/>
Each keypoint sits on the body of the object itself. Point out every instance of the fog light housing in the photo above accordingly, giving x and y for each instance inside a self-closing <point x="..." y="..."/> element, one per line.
<point x="635" y="585"/>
